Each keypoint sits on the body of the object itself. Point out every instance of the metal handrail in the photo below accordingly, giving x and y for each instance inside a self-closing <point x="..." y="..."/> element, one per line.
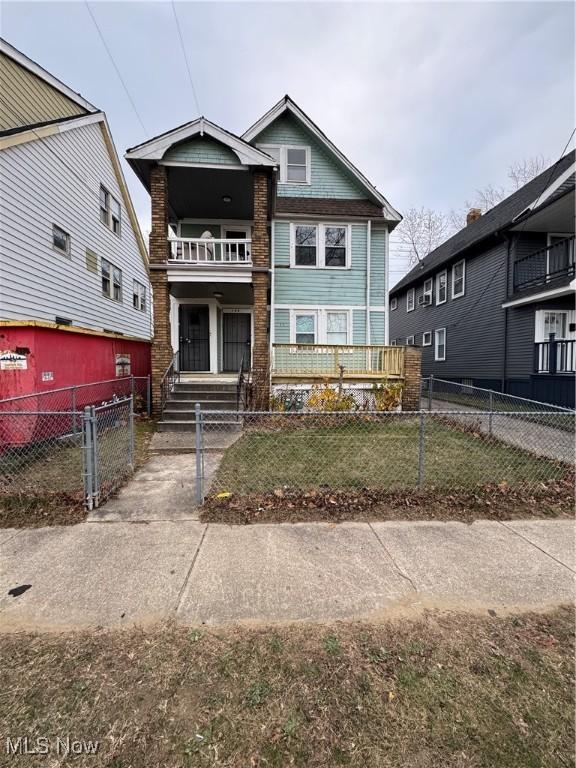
<point x="170" y="377"/>
<point x="533" y="269"/>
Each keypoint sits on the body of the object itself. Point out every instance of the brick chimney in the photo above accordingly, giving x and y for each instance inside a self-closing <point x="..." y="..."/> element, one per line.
<point x="473" y="214"/>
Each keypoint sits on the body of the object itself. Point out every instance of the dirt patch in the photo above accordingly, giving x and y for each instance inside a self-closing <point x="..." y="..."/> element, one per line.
<point x="486" y="502"/>
<point x="36" y="511"/>
<point x="448" y="690"/>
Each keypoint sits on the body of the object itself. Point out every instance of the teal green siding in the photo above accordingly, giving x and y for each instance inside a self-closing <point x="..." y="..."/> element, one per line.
<point x="202" y="150"/>
<point x="359" y="326"/>
<point x="319" y="287"/>
<point x="196" y="230"/>
<point x="377" y="327"/>
<point x="282" y="326"/>
<point x="328" y="177"/>
<point x="377" y="265"/>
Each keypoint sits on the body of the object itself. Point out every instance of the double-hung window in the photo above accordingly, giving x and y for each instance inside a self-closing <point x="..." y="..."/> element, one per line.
<point x="441" y="287"/>
<point x="305" y="245"/>
<point x="293" y="162"/>
<point x="410" y="300"/>
<point x="139" y="296"/>
<point x="393" y="304"/>
<point x="305" y="327"/>
<point x="336" y="327"/>
<point x="111" y="281"/>
<point x="458" y="279"/>
<point x="321" y="246"/>
<point x="110" y="211"/>
<point x="427" y="291"/>
<point x="440" y="344"/>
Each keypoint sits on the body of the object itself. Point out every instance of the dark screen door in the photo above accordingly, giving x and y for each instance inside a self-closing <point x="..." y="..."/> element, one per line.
<point x="236" y="340"/>
<point x="194" y="338"/>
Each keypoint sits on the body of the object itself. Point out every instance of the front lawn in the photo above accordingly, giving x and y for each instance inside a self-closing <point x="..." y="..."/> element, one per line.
<point x="444" y="690"/>
<point x="377" y="454"/>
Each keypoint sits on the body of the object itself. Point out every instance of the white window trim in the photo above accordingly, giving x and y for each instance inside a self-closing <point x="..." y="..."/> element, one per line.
<point x="427" y="334"/>
<point x="428" y="291"/>
<point x="111" y="199"/>
<point x="320" y="244"/>
<point x="110" y="295"/>
<point x="409" y="341"/>
<point x="393" y="343"/>
<point x="393" y="304"/>
<point x="320" y="314"/>
<point x="444" y="273"/>
<point x="283" y="162"/>
<point x="139" y="289"/>
<point x="63" y="251"/>
<point x="436" y="356"/>
<point x="458" y="295"/>
<point x="411" y="292"/>
<point x="539" y="335"/>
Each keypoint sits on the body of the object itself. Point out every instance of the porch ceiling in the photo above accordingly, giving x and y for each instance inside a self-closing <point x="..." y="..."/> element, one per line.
<point x="232" y="293"/>
<point x="197" y="193"/>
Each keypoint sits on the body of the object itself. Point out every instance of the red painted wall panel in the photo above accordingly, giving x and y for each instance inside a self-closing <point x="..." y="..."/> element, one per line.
<point x="70" y="358"/>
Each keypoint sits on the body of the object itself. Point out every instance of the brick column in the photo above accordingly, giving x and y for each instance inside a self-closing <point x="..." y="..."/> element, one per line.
<point x="260" y="283"/>
<point x="161" y="353"/>
<point x="412" y="379"/>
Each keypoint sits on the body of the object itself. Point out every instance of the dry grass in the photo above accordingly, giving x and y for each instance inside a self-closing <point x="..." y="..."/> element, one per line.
<point x="47" y="485"/>
<point x="448" y="690"/>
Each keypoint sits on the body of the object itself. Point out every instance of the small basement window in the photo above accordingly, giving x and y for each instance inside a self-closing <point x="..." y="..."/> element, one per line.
<point x="410" y="341"/>
<point x="60" y="240"/>
<point x="427" y="339"/>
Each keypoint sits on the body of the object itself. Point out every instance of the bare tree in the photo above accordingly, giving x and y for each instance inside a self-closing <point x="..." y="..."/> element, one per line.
<point x="523" y="171"/>
<point x="421" y="231"/>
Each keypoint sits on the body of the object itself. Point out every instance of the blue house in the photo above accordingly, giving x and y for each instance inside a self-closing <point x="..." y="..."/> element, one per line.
<point x="268" y="252"/>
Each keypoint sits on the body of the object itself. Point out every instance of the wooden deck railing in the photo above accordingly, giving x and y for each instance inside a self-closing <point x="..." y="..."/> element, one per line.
<point x="318" y="361"/>
<point x="186" y="250"/>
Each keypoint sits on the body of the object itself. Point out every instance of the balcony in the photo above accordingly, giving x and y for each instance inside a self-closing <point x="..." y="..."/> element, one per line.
<point x="555" y="356"/>
<point x="318" y="362"/>
<point x="210" y="251"/>
<point x="545" y="269"/>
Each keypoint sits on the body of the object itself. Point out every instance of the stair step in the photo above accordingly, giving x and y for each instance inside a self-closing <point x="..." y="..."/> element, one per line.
<point x="180" y="386"/>
<point x="200" y="397"/>
<point x="171" y="414"/>
<point x="184" y="425"/>
<point x="205" y="405"/>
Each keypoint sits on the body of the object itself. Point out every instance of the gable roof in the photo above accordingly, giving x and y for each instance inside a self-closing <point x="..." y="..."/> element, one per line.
<point x="535" y="195"/>
<point x="36" y="69"/>
<point x="286" y="104"/>
<point x="155" y="148"/>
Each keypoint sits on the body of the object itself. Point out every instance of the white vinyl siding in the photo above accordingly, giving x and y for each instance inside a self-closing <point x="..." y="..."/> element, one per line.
<point x="41" y="286"/>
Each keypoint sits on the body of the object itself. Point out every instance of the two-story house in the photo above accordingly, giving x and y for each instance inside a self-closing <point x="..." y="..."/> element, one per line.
<point x="493" y="306"/>
<point x="74" y="285"/>
<point x="268" y="251"/>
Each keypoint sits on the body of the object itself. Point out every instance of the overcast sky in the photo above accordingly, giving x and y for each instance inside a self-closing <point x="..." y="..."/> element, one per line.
<point x="430" y="100"/>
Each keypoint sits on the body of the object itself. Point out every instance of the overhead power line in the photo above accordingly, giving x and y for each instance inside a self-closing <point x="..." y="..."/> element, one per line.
<point x="183" y="47"/>
<point x="111" y="57"/>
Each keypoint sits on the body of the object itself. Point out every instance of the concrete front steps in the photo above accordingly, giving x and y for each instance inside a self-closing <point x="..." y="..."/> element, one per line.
<point x="179" y="413"/>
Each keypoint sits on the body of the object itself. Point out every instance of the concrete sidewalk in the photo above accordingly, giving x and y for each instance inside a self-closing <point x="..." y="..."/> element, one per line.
<point x="121" y="574"/>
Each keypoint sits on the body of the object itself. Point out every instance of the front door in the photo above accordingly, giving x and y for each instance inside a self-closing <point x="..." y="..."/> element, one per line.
<point x="194" y="338"/>
<point x="237" y="340"/>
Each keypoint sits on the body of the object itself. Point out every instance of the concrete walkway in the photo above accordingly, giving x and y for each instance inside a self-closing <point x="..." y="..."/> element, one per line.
<point x="540" y="439"/>
<point x="106" y="574"/>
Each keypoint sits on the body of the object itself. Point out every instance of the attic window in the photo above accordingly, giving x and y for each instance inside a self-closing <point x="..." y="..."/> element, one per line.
<point x="293" y="162"/>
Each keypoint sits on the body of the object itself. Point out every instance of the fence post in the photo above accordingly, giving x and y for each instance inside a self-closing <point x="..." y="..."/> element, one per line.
<point x="148" y="396"/>
<point x="131" y="430"/>
<point x="88" y="459"/>
<point x="430" y="388"/>
<point x="74" y="425"/>
<point x="421" y="448"/>
<point x="95" y="468"/>
<point x="199" y="462"/>
<point x="491" y="409"/>
<point x="552" y="363"/>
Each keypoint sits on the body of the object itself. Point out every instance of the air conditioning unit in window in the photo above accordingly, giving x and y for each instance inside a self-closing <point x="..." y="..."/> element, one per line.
<point x="424" y="301"/>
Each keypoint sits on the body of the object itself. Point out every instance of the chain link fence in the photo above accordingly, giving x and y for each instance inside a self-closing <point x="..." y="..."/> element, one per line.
<point x="76" y="398"/>
<point x="330" y="397"/>
<point x="442" y="394"/>
<point x="67" y="458"/>
<point x="446" y="450"/>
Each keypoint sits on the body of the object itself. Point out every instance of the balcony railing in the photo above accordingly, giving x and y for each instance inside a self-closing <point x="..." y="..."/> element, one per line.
<point x="318" y="361"/>
<point x="545" y="267"/>
<point x="184" y="250"/>
<point x="555" y="356"/>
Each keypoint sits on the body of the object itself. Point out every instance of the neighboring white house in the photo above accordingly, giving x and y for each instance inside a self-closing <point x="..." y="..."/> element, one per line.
<point x="74" y="286"/>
